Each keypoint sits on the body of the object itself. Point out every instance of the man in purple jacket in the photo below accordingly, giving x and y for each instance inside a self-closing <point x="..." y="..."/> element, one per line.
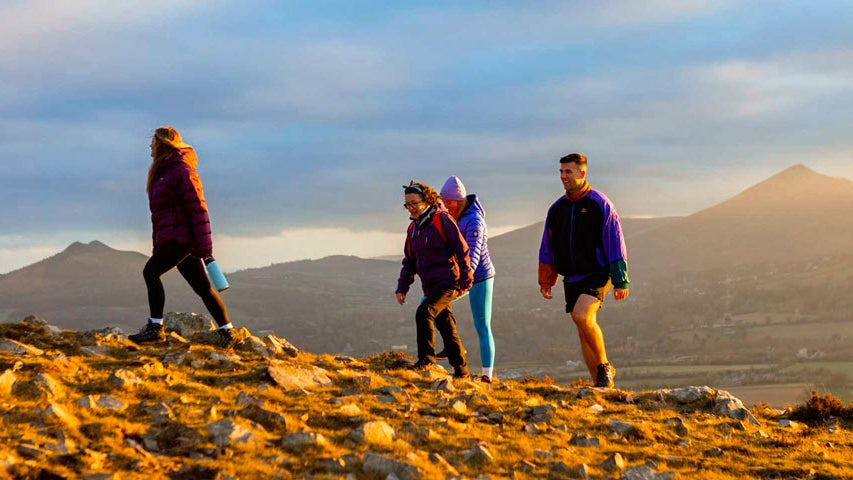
<point x="583" y="242"/>
<point x="437" y="253"/>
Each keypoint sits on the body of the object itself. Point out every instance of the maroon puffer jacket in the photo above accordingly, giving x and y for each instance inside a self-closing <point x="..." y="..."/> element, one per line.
<point x="178" y="209"/>
<point x="440" y="260"/>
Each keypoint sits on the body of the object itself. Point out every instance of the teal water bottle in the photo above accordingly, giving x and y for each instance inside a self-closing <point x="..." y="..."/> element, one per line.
<point x="216" y="275"/>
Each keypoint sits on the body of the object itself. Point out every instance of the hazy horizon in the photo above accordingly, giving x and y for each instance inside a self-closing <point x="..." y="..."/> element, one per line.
<point x="307" y="118"/>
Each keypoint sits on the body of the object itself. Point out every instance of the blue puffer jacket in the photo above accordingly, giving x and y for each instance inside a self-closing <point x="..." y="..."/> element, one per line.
<point x="472" y="225"/>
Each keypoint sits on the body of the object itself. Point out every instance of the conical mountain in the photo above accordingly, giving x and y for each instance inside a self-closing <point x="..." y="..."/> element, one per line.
<point x="793" y="215"/>
<point x="85" y="286"/>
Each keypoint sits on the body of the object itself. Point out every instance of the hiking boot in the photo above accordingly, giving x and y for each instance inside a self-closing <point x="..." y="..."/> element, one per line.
<point x="420" y="365"/>
<point x="227" y="338"/>
<point x="604" y="375"/>
<point x="152" y="332"/>
<point x="460" y="372"/>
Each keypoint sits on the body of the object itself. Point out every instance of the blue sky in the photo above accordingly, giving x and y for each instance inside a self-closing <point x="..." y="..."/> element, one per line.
<point x="308" y="116"/>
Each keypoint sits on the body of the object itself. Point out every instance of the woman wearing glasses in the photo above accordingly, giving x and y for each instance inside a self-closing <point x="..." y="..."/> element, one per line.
<point x="437" y="253"/>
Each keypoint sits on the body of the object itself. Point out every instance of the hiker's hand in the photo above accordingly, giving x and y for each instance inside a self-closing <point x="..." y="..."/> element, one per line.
<point x="401" y="298"/>
<point x="546" y="293"/>
<point x="620" y="294"/>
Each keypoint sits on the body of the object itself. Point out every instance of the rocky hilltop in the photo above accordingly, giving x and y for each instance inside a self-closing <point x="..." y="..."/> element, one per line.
<point x="93" y="405"/>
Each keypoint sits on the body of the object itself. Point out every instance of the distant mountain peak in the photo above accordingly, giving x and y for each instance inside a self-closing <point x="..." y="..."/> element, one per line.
<point x="91" y="247"/>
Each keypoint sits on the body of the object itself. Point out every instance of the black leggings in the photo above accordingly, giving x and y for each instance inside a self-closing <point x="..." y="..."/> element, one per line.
<point x="192" y="269"/>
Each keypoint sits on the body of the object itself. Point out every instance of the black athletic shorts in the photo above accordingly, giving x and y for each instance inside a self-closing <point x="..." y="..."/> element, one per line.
<point x="596" y="285"/>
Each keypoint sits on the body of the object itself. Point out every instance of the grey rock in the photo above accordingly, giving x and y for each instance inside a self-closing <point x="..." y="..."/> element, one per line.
<point x="290" y="376"/>
<point x="495" y="417"/>
<point x="584" y="441"/>
<point x="175" y="358"/>
<point x="443" y="384"/>
<point x="581" y="471"/>
<point x="271" y="421"/>
<point x="281" y="346"/>
<point x="255" y="344"/>
<point x="644" y="472"/>
<point x="47" y="384"/>
<point x="713" y="452"/>
<point x="687" y="395"/>
<point x="559" y="470"/>
<point x="34" y="320"/>
<point x="226" y="432"/>
<point x="525" y="466"/>
<point x="95" y="351"/>
<point x="678" y="425"/>
<point x="542" y="413"/>
<point x="98" y="476"/>
<point x="479" y="454"/>
<point x="161" y="412"/>
<point x="304" y="440"/>
<point x="386" y="399"/>
<point x="106" y="402"/>
<point x="187" y="324"/>
<point x="385" y="466"/>
<point x="219" y="357"/>
<point x="786" y="423"/>
<point x="333" y="465"/>
<point x="244" y="400"/>
<point x="19" y="349"/>
<point x="614" y="463"/>
<point x="621" y="428"/>
<point x="374" y="433"/>
<point x="56" y="415"/>
<point x="727" y="405"/>
<point x="31" y="451"/>
<point x="443" y="464"/>
<point x="542" y="454"/>
<point x="123" y="378"/>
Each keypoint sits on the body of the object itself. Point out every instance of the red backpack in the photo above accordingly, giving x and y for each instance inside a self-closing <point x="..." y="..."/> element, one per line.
<point x="436" y="222"/>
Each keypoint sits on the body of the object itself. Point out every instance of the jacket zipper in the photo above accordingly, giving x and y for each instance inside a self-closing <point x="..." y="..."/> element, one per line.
<point x="572" y="237"/>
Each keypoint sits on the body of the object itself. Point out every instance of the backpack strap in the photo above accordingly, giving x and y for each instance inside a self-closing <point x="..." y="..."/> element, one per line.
<point x="439" y="225"/>
<point x="409" y="240"/>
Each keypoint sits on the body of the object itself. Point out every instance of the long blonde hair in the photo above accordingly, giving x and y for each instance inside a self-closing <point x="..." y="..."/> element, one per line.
<point x="166" y="141"/>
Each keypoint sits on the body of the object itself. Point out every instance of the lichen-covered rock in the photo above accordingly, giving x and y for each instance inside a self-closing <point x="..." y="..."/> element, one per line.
<point x="290" y="376"/>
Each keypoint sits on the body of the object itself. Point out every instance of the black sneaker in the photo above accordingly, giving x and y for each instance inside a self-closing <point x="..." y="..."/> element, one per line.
<point x="441" y="354"/>
<point x="152" y="332"/>
<point x="485" y="379"/>
<point x="227" y="338"/>
<point x="420" y="365"/>
<point x="460" y="372"/>
<point x="604" y="375"/>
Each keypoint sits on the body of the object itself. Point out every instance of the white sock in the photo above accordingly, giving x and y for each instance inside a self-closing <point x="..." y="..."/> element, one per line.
<point x="227" y="326"/>
<point x="489" y="371"/>
<point x="158" y="321"/>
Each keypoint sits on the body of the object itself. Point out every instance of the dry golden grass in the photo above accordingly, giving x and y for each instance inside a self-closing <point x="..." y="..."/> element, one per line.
<point x="143" y="441"/>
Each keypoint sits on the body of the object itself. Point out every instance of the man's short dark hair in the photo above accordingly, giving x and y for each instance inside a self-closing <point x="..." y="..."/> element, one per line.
<point x="578" y="158"/>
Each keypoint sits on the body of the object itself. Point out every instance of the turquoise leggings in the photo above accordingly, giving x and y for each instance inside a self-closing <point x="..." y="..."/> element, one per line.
<point x="480" y="297"/>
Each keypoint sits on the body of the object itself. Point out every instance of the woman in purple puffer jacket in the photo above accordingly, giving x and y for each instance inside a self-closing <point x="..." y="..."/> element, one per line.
<point x="436" y="252"/>
<point x="181" y="234"/>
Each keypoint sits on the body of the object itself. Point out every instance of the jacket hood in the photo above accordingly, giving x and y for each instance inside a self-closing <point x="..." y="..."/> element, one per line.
<point x="186" y="155"/>
<point x="474" y="207"/>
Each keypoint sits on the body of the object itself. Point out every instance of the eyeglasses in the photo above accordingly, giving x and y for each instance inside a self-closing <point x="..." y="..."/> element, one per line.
<point x="411" y="205"/>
